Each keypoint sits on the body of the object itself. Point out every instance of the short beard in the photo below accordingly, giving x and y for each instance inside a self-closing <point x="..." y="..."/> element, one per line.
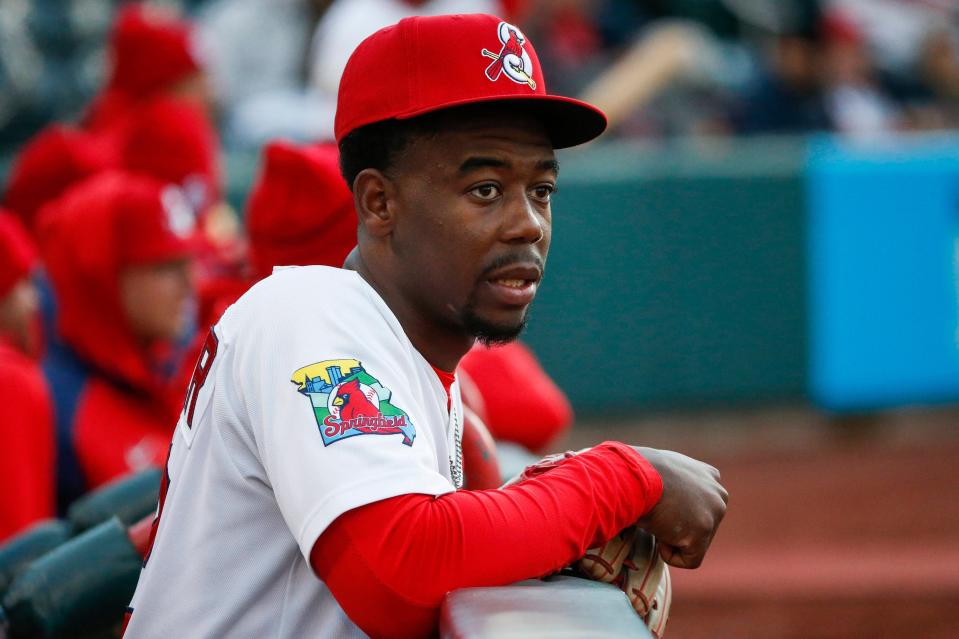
<point x="490" y="334"/>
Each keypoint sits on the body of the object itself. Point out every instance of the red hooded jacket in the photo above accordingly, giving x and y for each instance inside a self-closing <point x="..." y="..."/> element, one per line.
<point x="116" y="403"/>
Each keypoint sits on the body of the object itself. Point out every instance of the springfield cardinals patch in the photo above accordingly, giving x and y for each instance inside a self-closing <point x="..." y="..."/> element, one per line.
<point x="348" y="401"/>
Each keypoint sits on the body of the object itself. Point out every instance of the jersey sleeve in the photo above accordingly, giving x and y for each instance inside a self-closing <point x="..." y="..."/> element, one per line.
<point x="336" y="414"/>
<point x="477" y="538"/>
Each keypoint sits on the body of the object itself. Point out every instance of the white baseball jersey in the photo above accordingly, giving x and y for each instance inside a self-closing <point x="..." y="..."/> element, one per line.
<point x="308" y="401"/>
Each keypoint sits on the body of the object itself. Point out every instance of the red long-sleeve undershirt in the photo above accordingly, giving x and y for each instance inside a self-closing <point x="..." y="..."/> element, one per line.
<point x="389" y="564"/>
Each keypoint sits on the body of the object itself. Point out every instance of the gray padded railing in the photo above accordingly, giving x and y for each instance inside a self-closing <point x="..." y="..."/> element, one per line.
<point x="556" y="607"/>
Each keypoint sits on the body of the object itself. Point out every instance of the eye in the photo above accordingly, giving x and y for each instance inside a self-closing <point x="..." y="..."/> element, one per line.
<point x="488" y="191"/>
<point x="543" y="192"/>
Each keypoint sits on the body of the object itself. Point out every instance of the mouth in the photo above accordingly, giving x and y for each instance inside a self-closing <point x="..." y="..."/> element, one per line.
<point x="515" y="285"/>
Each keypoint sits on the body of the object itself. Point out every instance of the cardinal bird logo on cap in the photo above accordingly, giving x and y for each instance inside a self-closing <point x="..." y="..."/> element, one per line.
<point x="512" y="60"/>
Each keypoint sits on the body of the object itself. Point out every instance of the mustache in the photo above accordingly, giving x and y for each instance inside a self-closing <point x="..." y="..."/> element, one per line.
<point x="513" y="258"/>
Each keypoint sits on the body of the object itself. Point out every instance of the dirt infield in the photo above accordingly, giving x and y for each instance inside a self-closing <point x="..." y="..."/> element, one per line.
<point x="834" y="530"/>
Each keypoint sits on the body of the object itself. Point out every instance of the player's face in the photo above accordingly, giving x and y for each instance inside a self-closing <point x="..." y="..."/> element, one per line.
<point x="474" y="221"/>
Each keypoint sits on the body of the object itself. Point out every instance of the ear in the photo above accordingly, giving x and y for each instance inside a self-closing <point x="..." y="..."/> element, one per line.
<point x="372" y="195"/>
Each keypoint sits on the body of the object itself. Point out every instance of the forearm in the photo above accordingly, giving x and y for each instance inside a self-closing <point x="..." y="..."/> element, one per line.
<point x="390" y="563"/>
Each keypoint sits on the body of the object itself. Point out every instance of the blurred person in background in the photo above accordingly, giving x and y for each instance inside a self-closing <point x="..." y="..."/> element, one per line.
<point x="914" y="48"/>
<point x="300" y="210"/>
<point x="157" y="110"/>
<point x="27" y="453"/>
<point x="173" y="141"/>
<point x="46" y="167"/>
<point x="51" y="162"/>
<point x="262" y="90"/>
<point x="938" y="106"/>
<point x="152" y="53"/>
<point x="856" y="103"/>
<point x="895" y="30"/>
<point x="787" y="94"/>
<point x="117" y="248"/>
<point x="658" y="68"/>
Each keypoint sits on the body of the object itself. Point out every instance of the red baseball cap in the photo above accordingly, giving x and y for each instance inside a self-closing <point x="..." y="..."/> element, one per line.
<point x="113" y="220"/>
<point x="155" y="223"/>
<point x="427" y="63"/>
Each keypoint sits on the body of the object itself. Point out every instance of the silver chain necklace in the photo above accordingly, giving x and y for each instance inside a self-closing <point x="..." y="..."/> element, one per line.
<point x="456" y="443"/>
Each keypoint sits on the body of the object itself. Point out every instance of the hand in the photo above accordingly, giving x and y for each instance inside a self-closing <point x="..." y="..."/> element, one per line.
<point x="692" y="506"/>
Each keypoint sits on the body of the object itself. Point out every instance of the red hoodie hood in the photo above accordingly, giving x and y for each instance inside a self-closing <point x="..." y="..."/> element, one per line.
<point x="174" y="140"/>
<point x="300" y="210"/>
<point x="87" y="237"/>
<point x="55" y="159"/>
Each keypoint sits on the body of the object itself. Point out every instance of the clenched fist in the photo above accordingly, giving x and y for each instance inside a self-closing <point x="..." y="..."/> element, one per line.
<point x="685" y="519"/>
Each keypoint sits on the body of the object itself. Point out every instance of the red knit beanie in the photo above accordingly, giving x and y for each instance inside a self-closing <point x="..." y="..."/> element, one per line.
<point x="300" y="211"/>
<point x="174" y="141"/>
<point x="152" y="49"/>
<point x="58" y="157"/>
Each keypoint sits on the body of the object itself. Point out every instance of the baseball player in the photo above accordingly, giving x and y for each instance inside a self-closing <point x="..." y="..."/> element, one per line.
<point x="312" y="482"/>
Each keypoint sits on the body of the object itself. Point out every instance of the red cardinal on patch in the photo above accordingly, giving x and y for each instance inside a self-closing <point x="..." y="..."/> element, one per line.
<point x="353" y="402"/>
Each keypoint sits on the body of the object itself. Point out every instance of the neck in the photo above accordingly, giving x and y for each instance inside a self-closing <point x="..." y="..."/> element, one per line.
<point x="439" y="345"/>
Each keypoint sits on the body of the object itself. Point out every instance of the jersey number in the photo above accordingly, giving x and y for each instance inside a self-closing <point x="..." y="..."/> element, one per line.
<point x="200" y="372"/>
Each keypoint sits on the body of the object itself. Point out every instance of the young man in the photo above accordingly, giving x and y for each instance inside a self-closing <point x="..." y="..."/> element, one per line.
<point x="329" y="506"/>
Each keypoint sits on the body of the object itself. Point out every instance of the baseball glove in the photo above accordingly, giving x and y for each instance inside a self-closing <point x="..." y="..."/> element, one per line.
<point x="631" y="562"/>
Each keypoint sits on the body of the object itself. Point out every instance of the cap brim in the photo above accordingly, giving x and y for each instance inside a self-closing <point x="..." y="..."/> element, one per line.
<point x="569" y="122"/>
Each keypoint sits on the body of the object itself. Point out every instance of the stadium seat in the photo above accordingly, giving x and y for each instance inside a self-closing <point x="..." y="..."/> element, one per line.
<point x="130" y="499"/>
<point x="80" y="589"/>
<point x="39" y="539"/>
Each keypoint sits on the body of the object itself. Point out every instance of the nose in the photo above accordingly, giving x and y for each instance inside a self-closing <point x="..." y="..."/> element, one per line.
<point x="523" y="222"/>
<point x="184" y="276"/>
